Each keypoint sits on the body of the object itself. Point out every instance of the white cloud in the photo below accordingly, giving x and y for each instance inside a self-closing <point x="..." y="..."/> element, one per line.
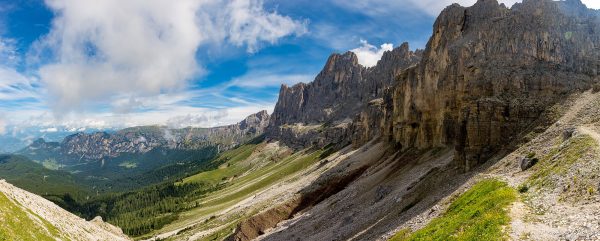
<point x="368" y="55"/>
<point x="144" y="47"/>
<point x="161" y="113"/>
<point x="595" y="4"/>
<point x="248" y="23"/>
<point x="2" y="127"/>
<point x="49" y="130"/>
<point x="198" y="119"/>
<point x="261" y="79"/>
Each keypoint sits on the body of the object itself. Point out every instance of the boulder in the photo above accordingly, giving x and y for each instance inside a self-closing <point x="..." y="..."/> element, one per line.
<point x="568" y="133"/>
<point x="527" y="163"/>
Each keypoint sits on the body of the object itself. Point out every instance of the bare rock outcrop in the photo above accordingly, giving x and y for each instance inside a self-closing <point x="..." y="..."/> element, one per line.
<point x="488" y="72"/>
<point x="486" y="75"/>
<point x="321" y="112"/>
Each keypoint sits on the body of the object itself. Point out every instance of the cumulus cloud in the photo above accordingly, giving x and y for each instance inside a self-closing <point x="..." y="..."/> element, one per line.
<point x="142" y="48"/>
<point x="368" y="55"/>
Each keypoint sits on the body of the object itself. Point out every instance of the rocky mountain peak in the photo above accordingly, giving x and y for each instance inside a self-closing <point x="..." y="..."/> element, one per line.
<point x="256" y="122"/>
<point x="341" y="62"/>
<point x="40" y="143"/>
<point x="336" y="95"/>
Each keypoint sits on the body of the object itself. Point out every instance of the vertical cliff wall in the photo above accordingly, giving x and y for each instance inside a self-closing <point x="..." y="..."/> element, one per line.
<point x="488" y="72"/>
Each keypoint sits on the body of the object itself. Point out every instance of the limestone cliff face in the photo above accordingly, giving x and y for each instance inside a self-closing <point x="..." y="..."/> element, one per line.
<point x="485" y="76"/>
<point x="488" y="72"/>
<point x="321" y="112"/>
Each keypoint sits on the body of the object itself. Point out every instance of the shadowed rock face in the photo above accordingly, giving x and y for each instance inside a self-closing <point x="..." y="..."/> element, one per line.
<point x="486" y="75"/>
<point x="488" y="72"/>
<point x="338" y="93"/>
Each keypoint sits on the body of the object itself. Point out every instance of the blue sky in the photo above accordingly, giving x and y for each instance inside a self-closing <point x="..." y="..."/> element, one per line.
<point x="74" y="64"/>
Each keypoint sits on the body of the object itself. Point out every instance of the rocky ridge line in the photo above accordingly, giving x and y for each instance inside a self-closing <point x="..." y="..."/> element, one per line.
<point x="99" y="145"/>
<point x="321" y="112"/>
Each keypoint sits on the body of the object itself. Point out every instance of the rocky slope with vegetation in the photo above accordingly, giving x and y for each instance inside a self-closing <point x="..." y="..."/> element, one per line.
<point x="25" y="216"/>
<point x="483" y="86"/>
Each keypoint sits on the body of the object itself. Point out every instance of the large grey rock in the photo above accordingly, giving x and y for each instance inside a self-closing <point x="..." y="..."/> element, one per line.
<point x="528" y="162"/>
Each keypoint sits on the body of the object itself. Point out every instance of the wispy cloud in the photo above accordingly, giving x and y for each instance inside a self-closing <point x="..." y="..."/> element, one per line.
<point x="431" y="7"/>
<point x="175" y="116"/>
<point x="385" y="7"/>
<point x="262" y="79"/>
<point x="16" y="86"/>
<point x="2" y="126"/>
<point x="13" y="84"/>
<point x="8" y="52"/>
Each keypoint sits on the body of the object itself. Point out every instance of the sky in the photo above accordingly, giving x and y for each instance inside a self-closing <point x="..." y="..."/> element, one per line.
<point x="73" y="65"/>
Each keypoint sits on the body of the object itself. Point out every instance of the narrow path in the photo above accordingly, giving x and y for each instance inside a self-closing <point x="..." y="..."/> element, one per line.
<point x="582" y="100"/>
<point x="588" y="130"/>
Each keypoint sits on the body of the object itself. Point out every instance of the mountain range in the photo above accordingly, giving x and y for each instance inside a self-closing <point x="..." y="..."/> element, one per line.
<point x="492" y="132"/>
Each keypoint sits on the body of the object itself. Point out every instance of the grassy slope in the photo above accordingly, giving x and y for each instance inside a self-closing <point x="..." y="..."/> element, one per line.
<point x="478" y="214"/>
<point x="268" y="177"/>
<point x="239" y="180"/>
<point x="230" y="167"/>
<point x="559" y="160"/>
<point x="17" y="223"/>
